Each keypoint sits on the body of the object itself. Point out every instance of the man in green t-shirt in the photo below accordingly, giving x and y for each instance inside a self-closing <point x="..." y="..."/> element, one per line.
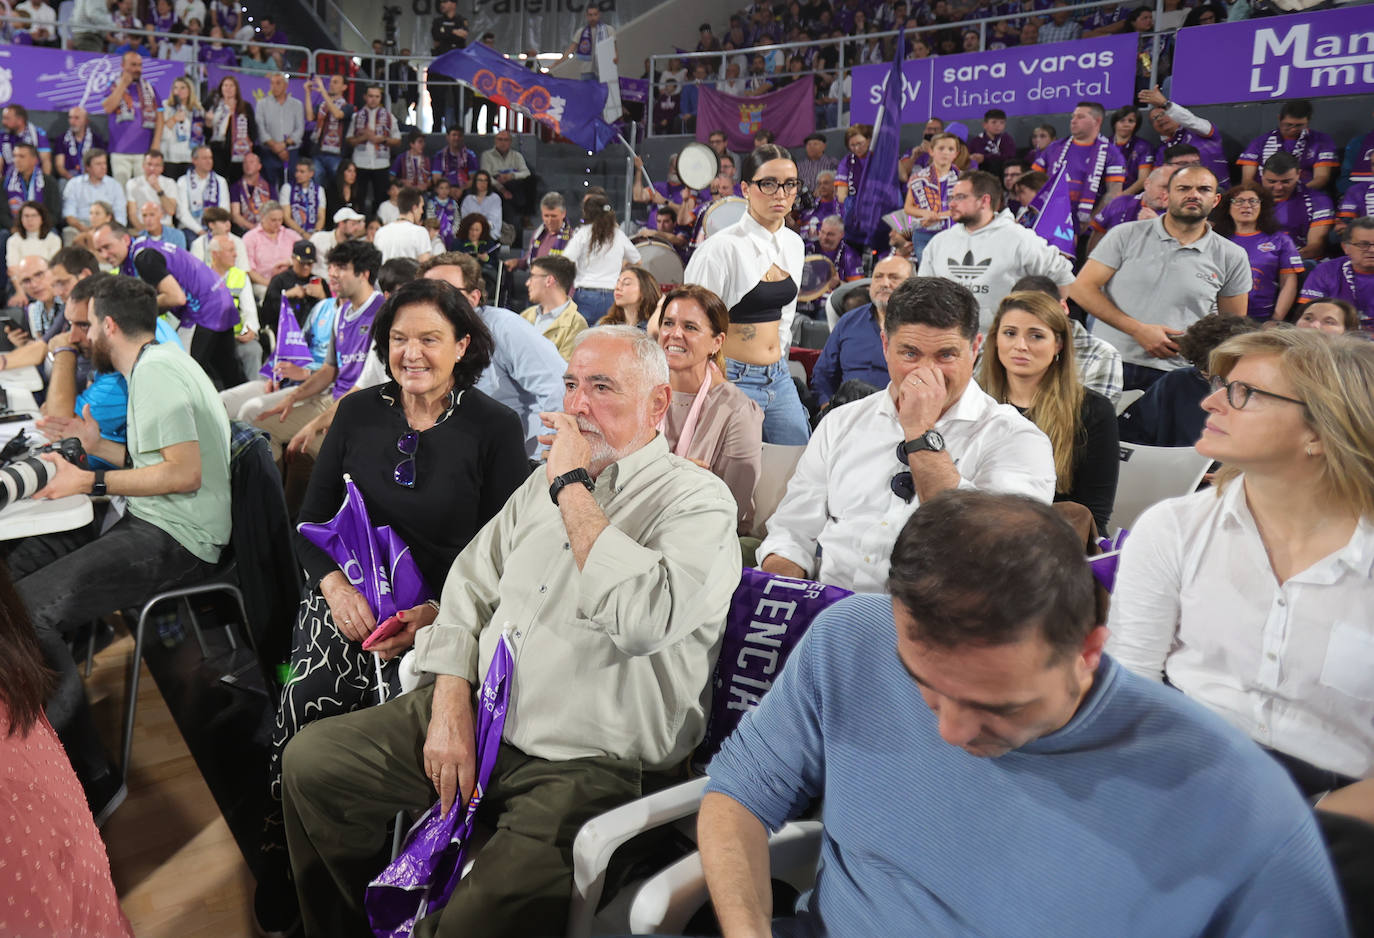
<point x="175" y="522"/>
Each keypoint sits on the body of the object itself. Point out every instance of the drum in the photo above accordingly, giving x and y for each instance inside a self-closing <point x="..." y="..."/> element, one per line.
<point x="722" y="214"/>
<point x="697" y="165"/>
<point x="660" y="259"/>
<point x="817" y="270"/>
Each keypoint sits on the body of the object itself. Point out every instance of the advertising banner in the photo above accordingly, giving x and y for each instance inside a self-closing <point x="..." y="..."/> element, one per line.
<point x="44" y="79"/>
<point x="1023" y="80"/>
<point x="1298" y="55"/>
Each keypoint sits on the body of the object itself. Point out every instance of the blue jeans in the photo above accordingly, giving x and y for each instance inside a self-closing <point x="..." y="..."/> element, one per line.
<point x="770" y="386"/>
<point x="919" y="239"/>
<point x="276" y="170"/>
<point x="593" y="304"/>
<point x="326" y="167"/>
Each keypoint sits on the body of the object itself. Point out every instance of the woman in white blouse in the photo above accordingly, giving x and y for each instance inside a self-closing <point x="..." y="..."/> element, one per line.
<point x="481" y="199"/>
<point x="755" y="266"/>
<point x="32" y="236"/>
<point x="600" y="250"/>
<point x="180" y="128"/>
<point x="1257" y="598"/>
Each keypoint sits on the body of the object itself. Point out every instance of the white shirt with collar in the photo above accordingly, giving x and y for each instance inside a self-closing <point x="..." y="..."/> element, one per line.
<point x="1292" y="665"/>
<point x="840" y="498"/>
<point x="140" y="190"/>
<point x="195" y="193"/>
<point x="732" y="261"/>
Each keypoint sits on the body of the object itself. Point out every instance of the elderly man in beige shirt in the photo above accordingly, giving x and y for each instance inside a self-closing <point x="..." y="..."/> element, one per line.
<point x="610" y="571"/>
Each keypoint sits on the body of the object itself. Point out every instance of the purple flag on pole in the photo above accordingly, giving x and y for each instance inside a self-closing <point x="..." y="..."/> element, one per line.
<point x="572" y="108"/>
<point x="879" y="191"/>
<point x="374" y="559"/>
<point x="421" y="878"/>
<point x="1051" y="215"/>
<point x="789" y="112"/>
<point x="768" y="616"/>
<point x="291" y="344"/>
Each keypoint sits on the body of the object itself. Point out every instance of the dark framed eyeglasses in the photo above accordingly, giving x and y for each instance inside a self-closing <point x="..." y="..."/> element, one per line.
<point x="1238" y="393"/>
<point x="408" y="445"/>
<point x="902" y="485"/>
<point x="768" y="185"/>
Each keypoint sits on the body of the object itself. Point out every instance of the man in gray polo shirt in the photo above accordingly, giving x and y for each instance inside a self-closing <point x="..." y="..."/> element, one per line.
<point x="1148" y="281"/>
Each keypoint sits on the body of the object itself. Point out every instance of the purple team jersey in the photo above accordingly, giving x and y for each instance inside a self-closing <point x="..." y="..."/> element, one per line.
<point x="1209" y="148"/>
<point x="844" y="257"/>
<point x="33" y="135"/>
<point x="1118" y="211"/>
<point x="850" y="173"/>
<point x="1082" y="163"/>
<point x="72" y="148"/>
<point x="1298" y="213"/>
<point x="1312" y="149"/>
<point x="1338" y="279"/>
<point x="209" y="304"/>
<point x="1002" y="147"/>
<point x="352" y="341"/>
<point x="1138" y="155"/>
<point x="130" y="127"/>
<point x="1358" y="201"/>
<point x="1271" y="256"/>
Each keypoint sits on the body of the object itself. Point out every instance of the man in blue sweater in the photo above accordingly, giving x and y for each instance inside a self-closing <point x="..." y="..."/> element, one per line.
<point x="987" y="770"/>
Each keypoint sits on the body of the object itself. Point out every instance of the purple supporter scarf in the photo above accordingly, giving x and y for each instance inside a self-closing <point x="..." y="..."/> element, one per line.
<point x="329" y="129"/>
<point x="768" y="616"/>
<point x="447" y="213"/>
<point x="255" y="195"/>
<point x="17" y="191"/>
<point x="1092" y="181"/>
<point x="306" y="202"/>
<point x="423" y="875"/>
<point x="1274" y="142"/>
<point x="933" y="194"/>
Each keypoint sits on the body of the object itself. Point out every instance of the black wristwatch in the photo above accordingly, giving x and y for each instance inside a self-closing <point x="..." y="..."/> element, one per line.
<point x="570" y="478"/>
<point x="98" y="486"/>
<point x="929" y="441"/>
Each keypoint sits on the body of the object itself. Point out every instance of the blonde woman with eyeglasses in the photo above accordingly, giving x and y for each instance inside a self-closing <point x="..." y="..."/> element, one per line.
<point x="1257" y="598"/>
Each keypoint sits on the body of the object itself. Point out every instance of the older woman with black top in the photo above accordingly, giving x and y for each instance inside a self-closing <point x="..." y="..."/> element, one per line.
<point x="435" y="459"/>
<point x="755" y="266"/>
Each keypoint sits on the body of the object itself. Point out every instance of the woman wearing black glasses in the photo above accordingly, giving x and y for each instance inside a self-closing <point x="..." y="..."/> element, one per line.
<point x="1256" y="599"/>
<point x="435" y="459"/>
<point x="755" y="266"/>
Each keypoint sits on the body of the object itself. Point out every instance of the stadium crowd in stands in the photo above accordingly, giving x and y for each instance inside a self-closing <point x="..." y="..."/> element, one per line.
<point x="572" y="444"/>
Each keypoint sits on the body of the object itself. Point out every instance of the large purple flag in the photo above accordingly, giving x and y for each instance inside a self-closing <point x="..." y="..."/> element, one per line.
<point x="768" y="616"/>
<point x="1051" y="215"/>
<point x="291" y="344"/>
<point x="789" y="112"/>
<point x="572" y="108"/>
<point x="421" y="878"/>
<point x="374" y="559"/>
<point x="879" y="192"/>
<point x="55" y="79"/>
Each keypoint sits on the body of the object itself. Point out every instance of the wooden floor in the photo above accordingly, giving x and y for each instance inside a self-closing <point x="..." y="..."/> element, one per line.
<point x="176" y="867"/>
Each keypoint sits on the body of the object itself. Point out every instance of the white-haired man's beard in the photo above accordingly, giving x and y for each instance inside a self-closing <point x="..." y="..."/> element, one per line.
<point x="602" y="454"/>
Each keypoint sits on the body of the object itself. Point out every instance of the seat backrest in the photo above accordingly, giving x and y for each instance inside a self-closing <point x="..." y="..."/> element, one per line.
<point x="1150" y="474"/>
<point x="779" y="462"/>
<point x="1128" y="398"/>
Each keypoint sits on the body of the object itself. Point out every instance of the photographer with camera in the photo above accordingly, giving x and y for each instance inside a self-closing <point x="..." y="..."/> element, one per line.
<point x="176" y="518"/>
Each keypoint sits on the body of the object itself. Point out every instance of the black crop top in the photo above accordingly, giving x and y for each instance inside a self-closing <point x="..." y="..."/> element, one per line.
<point x="764" y="303"/>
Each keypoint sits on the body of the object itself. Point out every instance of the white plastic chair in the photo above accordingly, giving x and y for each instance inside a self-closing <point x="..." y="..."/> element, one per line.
<point x="1150" y="474"/>
<point x="666" y="902"/>
<point x="1128" y="398"/>
<point x="779" y="462"/>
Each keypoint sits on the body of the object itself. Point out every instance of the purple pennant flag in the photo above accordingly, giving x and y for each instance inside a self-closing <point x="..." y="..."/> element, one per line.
<point x="789" y="112"/>
<point x="768" y="616"/>
<point x="572" y="108"/>
<point x="375" y="560"/>
<point x="421" y="878"/>
<point x="879" y="191"/>
<point x="291" y="345"/>
<point x="1104" y="565"/>
<point x="1051" y="215"/>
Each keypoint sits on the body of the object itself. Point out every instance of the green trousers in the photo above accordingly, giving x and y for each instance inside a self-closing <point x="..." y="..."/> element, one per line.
<point x="345" y="778"/>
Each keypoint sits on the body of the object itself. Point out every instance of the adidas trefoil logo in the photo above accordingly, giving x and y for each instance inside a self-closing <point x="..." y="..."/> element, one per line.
<point x="968" y="268"/>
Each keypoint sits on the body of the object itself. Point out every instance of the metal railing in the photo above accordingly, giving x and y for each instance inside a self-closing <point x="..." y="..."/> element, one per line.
<point x="302" y="62"/>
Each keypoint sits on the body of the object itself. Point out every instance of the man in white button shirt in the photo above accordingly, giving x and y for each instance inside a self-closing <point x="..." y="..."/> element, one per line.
<point x="872" y="462"/>
<point x="152" y="186"/>
<point x="405" y="237"/>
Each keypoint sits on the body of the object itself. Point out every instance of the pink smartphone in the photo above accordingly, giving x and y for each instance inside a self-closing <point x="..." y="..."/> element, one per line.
<point x="384" y="631"/>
